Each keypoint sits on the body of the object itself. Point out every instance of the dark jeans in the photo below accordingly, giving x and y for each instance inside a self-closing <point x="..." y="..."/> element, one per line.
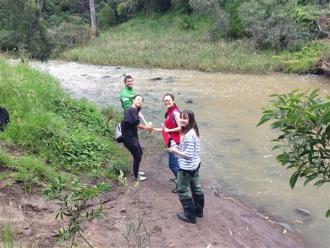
<point x="173" y="163"/>
<point x="133" y="145"/>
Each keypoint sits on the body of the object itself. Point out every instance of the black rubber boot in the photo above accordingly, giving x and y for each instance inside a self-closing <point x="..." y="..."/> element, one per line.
<point x="188" y="214"/>
<point x="199" y="204"/>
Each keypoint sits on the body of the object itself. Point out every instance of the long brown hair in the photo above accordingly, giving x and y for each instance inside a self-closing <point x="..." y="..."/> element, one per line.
<point x="191" y="122"/>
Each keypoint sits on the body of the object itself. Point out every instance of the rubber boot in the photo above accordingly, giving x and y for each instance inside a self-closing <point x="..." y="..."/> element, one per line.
<point x="188" y="214"/>
<point x="199" y="204"/>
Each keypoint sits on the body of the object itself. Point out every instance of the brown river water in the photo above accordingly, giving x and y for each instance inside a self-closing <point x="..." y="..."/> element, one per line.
<point x="236" y="154"/>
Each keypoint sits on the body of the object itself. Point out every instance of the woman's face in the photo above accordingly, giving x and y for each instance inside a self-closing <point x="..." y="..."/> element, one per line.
<point x="138" y="101"/>
<point x="168" y="101"/>
<point x="184" y="119"/>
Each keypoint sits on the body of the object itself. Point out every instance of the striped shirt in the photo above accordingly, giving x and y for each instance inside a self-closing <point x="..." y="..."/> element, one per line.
<point x="190" y="146"/>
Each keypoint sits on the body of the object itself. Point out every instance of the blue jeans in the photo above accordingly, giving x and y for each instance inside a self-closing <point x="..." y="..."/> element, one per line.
<point x="173" y="163"/>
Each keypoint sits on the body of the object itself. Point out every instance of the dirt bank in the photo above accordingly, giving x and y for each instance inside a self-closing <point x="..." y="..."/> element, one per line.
<point x="227" y="222"/>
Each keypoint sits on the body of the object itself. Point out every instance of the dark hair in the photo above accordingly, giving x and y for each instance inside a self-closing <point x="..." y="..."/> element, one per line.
<point x="170" y="95"/>
<point x="191" y="122"/>
<point x="127" y="77"/>
<point x="135" y="96"/>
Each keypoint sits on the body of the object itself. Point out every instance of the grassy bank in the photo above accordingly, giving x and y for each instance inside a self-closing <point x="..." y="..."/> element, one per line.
<point x="167" y="42"/>
<point x="51" y="134"/>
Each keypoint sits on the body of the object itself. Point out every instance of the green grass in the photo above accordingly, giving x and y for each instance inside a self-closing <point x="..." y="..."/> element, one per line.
<point x="306" y="59"/>
<point x="55" y="134"/>
<point x="7" y="235"/>
<point x="164" y="41"/>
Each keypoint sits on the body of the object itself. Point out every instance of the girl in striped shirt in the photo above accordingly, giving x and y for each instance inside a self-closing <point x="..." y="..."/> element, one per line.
<point x="188" y="175"/>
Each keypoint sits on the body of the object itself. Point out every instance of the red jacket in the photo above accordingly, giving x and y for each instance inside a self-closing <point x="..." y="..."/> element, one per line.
<point x="170" y="124"/>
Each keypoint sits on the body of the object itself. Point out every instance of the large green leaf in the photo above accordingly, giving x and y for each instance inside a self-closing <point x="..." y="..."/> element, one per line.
<point x="294" y="178"/>
<point x="265" y="118"/>
<point x="328" y="213"/>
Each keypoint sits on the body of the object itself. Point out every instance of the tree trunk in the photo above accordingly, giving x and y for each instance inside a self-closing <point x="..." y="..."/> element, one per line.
<point x="146" y="8"/>
<point x="93" y="19"/>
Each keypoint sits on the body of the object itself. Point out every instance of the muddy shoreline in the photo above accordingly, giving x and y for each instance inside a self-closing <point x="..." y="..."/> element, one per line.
<point x="227" y="222"/>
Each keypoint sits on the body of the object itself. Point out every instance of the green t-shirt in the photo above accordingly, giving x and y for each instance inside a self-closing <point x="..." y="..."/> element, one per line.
<point x="126" y="97"/>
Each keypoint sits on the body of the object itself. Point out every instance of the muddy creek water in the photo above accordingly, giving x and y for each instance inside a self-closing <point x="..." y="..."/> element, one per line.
<point x="236" y="154"/>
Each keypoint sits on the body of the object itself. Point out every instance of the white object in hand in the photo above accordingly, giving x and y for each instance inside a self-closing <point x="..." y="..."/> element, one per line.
<point x="172" y="143"/>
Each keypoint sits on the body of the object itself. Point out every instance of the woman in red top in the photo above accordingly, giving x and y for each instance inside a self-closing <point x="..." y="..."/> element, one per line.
<point x="172" y="128"/>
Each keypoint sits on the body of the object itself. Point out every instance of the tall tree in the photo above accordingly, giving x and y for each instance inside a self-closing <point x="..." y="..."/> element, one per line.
<point x="93" y="19"/>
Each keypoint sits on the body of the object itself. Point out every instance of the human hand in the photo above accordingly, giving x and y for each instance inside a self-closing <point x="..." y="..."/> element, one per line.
<point x="141" y="115"/>
<point x="173" y="149"/>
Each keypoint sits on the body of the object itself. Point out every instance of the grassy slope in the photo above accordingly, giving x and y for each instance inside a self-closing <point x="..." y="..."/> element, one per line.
<point x="54" y="133"/>
<point x="161" y="42"/>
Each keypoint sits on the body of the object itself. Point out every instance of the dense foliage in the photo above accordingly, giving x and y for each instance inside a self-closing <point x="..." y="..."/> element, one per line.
<point x="41" y="28"/>
<point x="303" y="120"/>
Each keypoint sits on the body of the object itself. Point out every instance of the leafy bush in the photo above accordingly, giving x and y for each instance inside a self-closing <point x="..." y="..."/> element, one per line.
<point x="123" y="11"/>
<point x="303" y="120"/>
<point x="39" y="45"/>
<point x="22" y="27"/>
<point x="270" y="26"/>
<point x="9" y="40"/>
<point x="72" y="197"/>
<point x="303" y="61"/>
<point x="107" y="16"/>
<point x="200" y="6"/>
<point x="184" y="22"/>
<point x="69" y="35"/>
<point x="307" y="15"/>
<point x="220" y="26"/>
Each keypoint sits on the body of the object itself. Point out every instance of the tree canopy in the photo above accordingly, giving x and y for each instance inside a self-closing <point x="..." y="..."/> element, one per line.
<point x="45" y="27"/>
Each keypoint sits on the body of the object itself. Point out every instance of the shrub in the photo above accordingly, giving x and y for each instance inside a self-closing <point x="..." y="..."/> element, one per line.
<point x="9" y="40"/>
<point x="307" y="15"/>
<point x="39" y="45"/>
<point x="304" y="60"/>
<point x="184" y="22"/>
<point x="107" y="16"/>
<point x="69" y="35"/>
<point x="123" y="11"/>
<point x="303" y="122"/>
<point x="220" y="26"/>
<point x="270" y="26"/>
<point x="235" y="27"/>
<point x="200" y="6"/>
<point x="22" y="27"/>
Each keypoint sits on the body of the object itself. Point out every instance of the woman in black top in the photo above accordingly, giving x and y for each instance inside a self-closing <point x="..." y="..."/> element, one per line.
<point x="131" y="123"/>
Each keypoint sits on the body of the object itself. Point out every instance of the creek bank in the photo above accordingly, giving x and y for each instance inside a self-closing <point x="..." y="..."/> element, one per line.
<point x="226" y="222"/>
